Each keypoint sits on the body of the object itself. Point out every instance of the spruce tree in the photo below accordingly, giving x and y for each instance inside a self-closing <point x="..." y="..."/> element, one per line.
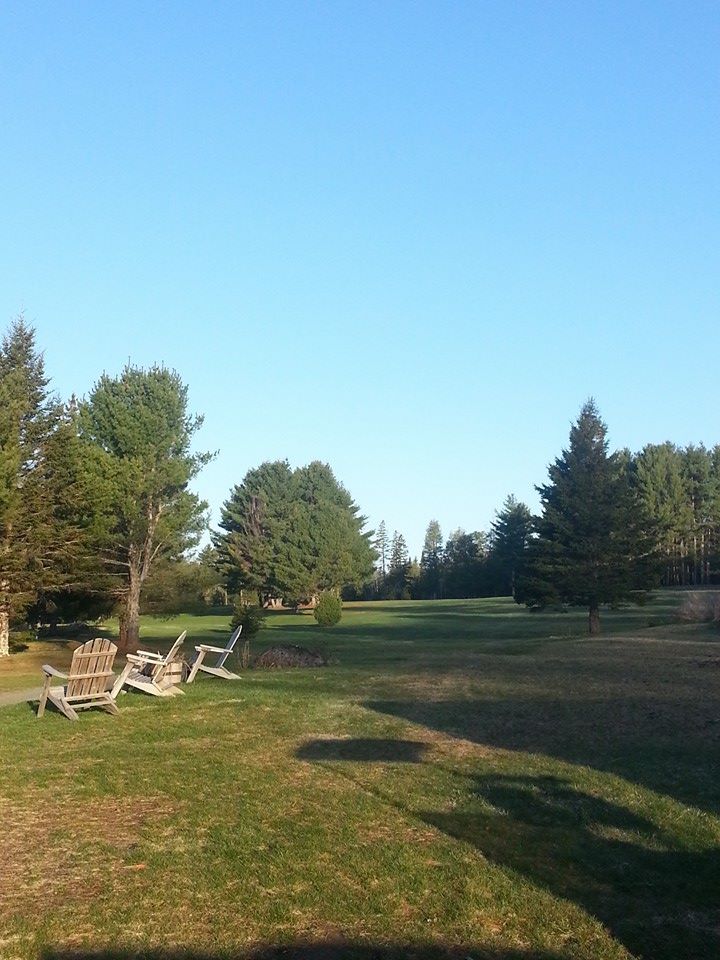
<point x="665" y="495"/>
<point x="462" y="560"/>
<point x="382" y="546"/>
<point x="292" y="534"/>
<point x="594" y="543"/>
<point x="510" y="535"/>
<point x="431" y="561"/>
<point x="36" y="535"/>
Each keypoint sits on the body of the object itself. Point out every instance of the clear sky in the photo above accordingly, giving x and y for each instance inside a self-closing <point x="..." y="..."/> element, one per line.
<point x="406" y="238"/>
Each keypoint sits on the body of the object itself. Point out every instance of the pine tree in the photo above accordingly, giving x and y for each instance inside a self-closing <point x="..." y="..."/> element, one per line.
<point x="293" y="534"/>
<point x="510" y="533"/>
<point x="381" y="546"/>
<point x="462" y="561"/>
<point x="431" y="561"/>
<point x="398" y="552"/>
<point x="137" y="434"/>
<point x="665" y="495"/>
<point x="594" y="544"/>
<point x="34" y="540"/>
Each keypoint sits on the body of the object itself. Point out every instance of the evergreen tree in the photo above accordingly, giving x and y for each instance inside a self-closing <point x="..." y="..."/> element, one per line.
<point x="137" y="434"/>
<point x="510" y="533"/>
<point x="431" y="561"/>
<point x="254" y="547"/>
<point x="382" y="546"/>
<point x="398" y="552"/>
<point x="396" y="581"/>
<point x="462" y="563"/>
<point x="665" y="496"/>
<point x="36" y="533"/>
<point x="593" y="543"/>
<point x="293" y="534"/>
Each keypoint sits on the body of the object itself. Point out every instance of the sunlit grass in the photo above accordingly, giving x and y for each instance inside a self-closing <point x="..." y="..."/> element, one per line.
<point x="464" y="774"/>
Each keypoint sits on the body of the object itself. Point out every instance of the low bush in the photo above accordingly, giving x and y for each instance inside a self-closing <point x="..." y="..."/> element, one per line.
<point x="700" y="606"/>
<point x="328" y="610"/>
<point x="248" y="615"/>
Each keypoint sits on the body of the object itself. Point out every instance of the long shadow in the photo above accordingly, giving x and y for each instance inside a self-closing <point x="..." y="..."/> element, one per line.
<point x="661" y="902"/>
<point x="311" y="950"/>
<point x="671" y="746"/>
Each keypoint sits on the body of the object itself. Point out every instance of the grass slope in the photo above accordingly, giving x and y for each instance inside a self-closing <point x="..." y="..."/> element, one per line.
<point x="466" y="779"/>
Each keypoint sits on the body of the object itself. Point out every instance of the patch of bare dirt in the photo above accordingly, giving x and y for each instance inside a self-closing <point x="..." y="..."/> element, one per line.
<point x="44" y="853"/>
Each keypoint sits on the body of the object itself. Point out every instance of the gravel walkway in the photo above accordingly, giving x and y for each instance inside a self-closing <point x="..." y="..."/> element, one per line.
<point x="20" y="696"/>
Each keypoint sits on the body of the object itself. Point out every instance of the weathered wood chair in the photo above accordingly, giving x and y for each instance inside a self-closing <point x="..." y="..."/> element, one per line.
<point x="153" y="673"/>
<point x="219" y="669"/>
<point x="88" y="681"/>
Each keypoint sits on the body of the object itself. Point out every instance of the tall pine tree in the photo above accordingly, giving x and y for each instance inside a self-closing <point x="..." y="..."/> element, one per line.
<point x="510" y="535"/>
<point x="594" y="543"/>
<point x="37" y="535"/>
<point x="138" y="433"/>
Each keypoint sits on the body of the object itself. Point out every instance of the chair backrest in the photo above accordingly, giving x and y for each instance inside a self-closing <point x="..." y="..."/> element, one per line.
<point x="228" y="648"/>
<point x="161" y="669"/>
<point x="174" y="649"/>
<point x="90" y="668"/>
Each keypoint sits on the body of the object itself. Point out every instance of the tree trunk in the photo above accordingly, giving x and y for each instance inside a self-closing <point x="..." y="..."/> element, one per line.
<point x="4" y="632"/>
<point x="130" y="616"/>
<point x="594" y="620"/>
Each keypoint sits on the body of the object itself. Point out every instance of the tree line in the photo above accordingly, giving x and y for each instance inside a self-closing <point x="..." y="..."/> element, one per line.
<point x="476" y="564"/>
<point x="97" y="516"/>
<point x="612" y="526"/>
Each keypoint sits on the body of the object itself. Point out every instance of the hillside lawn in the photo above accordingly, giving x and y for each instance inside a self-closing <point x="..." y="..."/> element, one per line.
<point x="465" y="779"/>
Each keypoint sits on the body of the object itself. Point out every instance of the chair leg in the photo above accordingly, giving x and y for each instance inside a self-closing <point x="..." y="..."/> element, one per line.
<point x="196" y="664"/>
<point x="110" y="706"/>
<point x="43" y="696"/>
<point x="64" y="707"/>
<point x="120" y="681"/>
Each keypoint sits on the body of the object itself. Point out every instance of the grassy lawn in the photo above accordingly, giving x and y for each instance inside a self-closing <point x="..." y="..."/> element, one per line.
<point x="466" y="779"/>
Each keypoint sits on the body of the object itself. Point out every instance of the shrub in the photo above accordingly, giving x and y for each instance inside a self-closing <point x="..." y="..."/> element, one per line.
<point x="328" y="610"/>
<point x="20" y="642"/>
<point x="248" y="615"/>
<point x="700" y="607"/>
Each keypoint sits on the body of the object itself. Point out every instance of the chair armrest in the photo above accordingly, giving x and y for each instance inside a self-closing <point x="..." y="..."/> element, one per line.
<point x="208" y="649"/>
<point x="52" y="672"/>
<point x="148" y="655"/>
<point x="134" y="658"/>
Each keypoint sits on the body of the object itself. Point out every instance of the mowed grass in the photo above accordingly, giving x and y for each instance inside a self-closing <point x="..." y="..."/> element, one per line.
<point x="465" y="779"/>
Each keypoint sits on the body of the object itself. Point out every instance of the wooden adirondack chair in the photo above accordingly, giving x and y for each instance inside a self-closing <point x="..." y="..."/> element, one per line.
<point x="153" y="673"/>
<point x="219" y="669"/>
<point x="87" y="682"/>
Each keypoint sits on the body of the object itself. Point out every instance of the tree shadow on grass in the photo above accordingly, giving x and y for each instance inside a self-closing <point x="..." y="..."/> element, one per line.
<point x="311" y="950"/>
<point x="659" y="900"/>
<point x="363" y="750"/>
<point x="671" y="746"/>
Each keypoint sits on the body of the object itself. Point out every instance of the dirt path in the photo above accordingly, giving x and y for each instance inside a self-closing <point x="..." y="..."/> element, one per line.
<point x="19" y="696"/>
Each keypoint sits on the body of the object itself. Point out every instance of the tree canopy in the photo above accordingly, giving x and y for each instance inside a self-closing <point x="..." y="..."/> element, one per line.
<point x="292" y="534"/>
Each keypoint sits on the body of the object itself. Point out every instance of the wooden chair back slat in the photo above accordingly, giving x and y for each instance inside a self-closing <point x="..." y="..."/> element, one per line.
<point x="91" y="666"/>
<point x="229" y="648"/>
<point x="161" y="670"/>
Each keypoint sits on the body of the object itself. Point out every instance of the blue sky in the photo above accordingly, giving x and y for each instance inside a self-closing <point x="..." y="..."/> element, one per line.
<point x="405" y="238"/>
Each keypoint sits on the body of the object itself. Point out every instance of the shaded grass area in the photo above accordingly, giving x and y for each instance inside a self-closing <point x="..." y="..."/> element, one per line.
<point x="464" y="782"/>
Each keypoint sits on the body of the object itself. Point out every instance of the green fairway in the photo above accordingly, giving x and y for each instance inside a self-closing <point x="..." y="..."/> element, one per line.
<point x="466" y="778"/>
